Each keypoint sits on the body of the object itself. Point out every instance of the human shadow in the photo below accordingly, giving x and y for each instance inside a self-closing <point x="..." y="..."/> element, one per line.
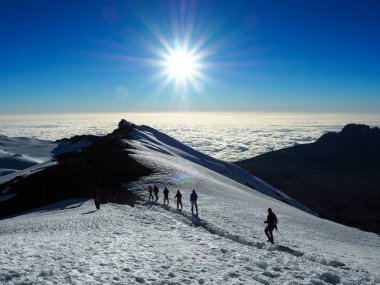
<point x="90" y="212"/>
<point x="73" y="207"/>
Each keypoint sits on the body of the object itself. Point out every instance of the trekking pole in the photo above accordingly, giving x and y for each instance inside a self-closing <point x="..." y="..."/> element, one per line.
<point x="282" y="236"/>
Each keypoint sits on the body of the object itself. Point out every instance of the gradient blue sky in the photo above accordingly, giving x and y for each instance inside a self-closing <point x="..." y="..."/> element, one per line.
<point x="96" y="56"/>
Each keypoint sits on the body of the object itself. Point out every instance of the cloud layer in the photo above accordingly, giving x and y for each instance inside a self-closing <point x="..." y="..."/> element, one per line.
<point x="227" y="136"/>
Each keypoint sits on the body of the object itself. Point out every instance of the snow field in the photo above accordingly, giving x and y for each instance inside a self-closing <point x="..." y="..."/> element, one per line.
<point x="236" y="213"/>
<point x="71" y="243"/>
<point x="144" y="245"/>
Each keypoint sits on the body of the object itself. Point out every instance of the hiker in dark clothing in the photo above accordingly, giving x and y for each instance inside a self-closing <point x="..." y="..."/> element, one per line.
<point x="97" y="200"/>
<point x="178" y="195"/>
<point x="193" y="201"/>
<point x="272" y="224"/>
<point x="150" y="190"/>
<point x="166" y="195"/>
<point x="155" y="190"/>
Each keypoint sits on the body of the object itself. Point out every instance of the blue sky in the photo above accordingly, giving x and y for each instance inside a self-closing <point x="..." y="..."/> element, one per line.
<point x="100" y="56"/>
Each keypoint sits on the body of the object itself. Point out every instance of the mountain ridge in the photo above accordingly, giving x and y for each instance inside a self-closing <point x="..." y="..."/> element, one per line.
<point x="83" y="165"/>
<point x="338" y="176"/>
<point x="156" y="243"/>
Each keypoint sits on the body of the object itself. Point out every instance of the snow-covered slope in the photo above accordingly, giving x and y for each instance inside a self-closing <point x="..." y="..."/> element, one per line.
<point x="40" y="150"/>
<point x="70" y="243"/>
<point x="147" y="138"/>
<point x="20" y="153"/>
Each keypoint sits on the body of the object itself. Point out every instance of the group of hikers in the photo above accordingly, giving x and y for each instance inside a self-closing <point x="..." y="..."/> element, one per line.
<point x="271" y="218"/>
<point x="178" y="196"/>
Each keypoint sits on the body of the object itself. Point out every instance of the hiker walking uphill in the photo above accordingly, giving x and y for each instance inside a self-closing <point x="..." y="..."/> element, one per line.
<point x="97" y="200"/>
<point x="166" y="195"/>
<point x="178" y="195"/>
<point x="272" y="224"/>
<point x="155" y="190"/>
<point x="150" y="190"/>
<point x="193" y="201"/>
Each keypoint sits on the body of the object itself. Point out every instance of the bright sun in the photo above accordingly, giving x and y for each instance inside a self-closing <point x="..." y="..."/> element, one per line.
<point x="181" y="65"/>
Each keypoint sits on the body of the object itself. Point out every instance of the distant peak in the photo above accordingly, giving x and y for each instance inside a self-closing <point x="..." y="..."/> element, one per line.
<point x="356" y="129"/>
<point x="124" y="123"/>
<point x="124" y="127"/>
<point x="352" y="134"/>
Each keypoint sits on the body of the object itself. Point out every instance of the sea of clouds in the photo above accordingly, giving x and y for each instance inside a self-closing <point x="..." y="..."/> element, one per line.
<point x="227" y="136"/>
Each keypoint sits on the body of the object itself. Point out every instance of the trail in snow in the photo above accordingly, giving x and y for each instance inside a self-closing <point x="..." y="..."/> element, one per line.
<point x="194" y="220"/>
<point x="71" y="243"/>
<point x="124" y="245"/>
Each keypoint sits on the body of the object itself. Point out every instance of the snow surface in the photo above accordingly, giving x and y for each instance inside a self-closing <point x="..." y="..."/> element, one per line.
<point x="39" y="150"/>
<point x="71" y="243"/>
<point x="21" y="153"/>
<point x="10" y="162"/>
<point x="27" y="171"/>
<point x="146" y="138"/>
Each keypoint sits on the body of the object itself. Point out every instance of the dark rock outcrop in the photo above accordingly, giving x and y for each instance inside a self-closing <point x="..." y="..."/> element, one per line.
<point x="352" y="136"/>
<point x="124" y="128"/>
<point x="102" y="167"/>
<point x="337" y="177"/>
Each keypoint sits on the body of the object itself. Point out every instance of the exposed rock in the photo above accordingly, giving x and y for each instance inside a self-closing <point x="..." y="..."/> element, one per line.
<point x="124" y="128"/>
<point x="103" y="166"/>
<point x="337" y="177"/>
<point x="351" y="136"/>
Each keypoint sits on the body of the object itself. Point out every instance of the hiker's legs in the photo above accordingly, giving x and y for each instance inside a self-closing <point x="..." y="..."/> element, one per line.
<point x="194" y="203"/>
<point x="266" y="231"/>
<point x="269" y="233"/>
<point x="180" y="202"/>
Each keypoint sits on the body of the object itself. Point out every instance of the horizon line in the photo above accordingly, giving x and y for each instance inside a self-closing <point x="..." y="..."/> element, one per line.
<point x="184" y="112"/>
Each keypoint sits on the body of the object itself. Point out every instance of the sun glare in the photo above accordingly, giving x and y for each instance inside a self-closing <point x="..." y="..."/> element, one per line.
<point x="181" y="65"/>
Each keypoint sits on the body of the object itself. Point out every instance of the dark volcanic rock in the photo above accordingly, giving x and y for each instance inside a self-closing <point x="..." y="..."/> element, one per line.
<point x="352" y="136"/>
<point x="124" y="128"/>
<point x="101" y="167"/>
<point x="337" y="177"/>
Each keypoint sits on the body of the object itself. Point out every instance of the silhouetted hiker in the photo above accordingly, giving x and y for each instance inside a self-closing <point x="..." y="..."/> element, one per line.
<point x="97" y="200"/>
<point x="193" y="201"/>
<point x="150" y="190"/>
<point x="178" y="195"/>
<point x="155" y="190"/>
<point x="166" y="195"/>
<point x="272" y="224"/>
